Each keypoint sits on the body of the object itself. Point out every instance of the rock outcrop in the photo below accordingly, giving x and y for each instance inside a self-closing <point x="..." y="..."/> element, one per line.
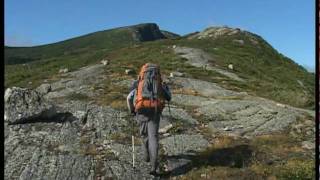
<point x="23" y="105"/>
<point x="50" y="136"/>
<point x="198" y="58"/>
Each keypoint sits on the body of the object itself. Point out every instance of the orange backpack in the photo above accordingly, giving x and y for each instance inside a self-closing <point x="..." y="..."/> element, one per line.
<point x="149" y="93"/>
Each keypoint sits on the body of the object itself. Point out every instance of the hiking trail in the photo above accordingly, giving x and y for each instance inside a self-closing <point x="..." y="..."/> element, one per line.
<point x="82" y="139"/>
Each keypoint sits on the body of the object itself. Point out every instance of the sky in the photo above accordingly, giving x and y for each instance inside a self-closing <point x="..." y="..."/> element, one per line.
<point x="289" y="26"/>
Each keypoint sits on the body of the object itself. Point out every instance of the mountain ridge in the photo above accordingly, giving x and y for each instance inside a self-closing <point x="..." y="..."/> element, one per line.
<point x="239" y="110"/>
<point x="250" y="56"/>
<point x="110" y="38"/>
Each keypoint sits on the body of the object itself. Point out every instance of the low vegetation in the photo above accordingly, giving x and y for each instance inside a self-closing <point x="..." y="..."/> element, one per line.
<point x="268" y="73"/>
<point x="264" y="157"/>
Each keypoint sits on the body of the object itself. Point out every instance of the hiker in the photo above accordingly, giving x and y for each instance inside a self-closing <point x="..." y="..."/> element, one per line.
<point x="146" y="101"/>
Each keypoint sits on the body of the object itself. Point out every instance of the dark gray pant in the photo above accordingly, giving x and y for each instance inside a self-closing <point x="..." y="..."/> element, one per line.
<point x="149" y="126"/>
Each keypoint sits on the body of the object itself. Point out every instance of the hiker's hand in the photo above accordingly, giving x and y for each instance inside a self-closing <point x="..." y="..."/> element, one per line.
<point x="164" y="83"/>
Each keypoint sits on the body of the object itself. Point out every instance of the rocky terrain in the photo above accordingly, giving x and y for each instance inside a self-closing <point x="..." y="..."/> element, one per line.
<point x="234" y="112"/>
<point x="47" y="138"/>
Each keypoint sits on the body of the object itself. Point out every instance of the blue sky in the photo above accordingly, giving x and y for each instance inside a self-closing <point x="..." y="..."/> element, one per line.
<point x="289" y="26"/>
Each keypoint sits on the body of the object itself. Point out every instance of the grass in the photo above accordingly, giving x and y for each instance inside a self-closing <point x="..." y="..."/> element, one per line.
<point x="77" y="96"/>
<point x="273" y="156"/>
<point x="297" y="169"/>
<point x="267" y="73"/>
<point x="112" y="94"/>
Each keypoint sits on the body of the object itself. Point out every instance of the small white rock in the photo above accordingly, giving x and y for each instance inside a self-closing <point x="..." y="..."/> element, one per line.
<point x="165" y="129"/>
<point x="280" y="105"/>
<point x="227" y="129"/>
<point x="128" y="71"/>
<point x="166" y="134"/>
<point x="65" y="70"/>
<point x="105" y="62"/>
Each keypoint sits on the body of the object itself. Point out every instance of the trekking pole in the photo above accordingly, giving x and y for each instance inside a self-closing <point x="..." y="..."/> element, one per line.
<point x="174" y="139"/>
<point x="133" y="150"/>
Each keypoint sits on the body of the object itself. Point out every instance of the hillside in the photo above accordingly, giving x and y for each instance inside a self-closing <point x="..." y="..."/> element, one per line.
<point x="108" y="39"/>
<point x="240" y="109"/>
<point x="269" y="74"/>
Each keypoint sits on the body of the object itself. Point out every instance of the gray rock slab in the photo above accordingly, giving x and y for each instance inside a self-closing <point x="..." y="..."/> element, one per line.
<point x="180" y="114"/>
<point x="183" y="144"/>
<point x="199" y="58"/>
<point x="179" y="147"/>
<point x="249" y="118"/>
<point x="204" y="88"/>
<point x="190" y="100"/>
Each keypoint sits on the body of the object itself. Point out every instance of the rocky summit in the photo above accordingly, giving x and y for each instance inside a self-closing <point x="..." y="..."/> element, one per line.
<point x="227" y="119"/>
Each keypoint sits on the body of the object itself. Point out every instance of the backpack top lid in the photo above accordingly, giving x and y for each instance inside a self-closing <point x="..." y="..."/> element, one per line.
<point x="149" y="67"/>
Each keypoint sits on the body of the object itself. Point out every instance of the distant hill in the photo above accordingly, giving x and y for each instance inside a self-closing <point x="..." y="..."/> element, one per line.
<point x="267" y="72"/>
<point x="107" y="39"/>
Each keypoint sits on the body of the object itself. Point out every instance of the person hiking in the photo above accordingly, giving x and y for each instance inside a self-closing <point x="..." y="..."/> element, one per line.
<point x="146" y="101"/>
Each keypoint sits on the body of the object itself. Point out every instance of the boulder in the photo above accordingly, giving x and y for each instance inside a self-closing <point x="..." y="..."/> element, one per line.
<point x="165" y="129"/>
<point x="230" y="66"/>
<point x="308" y="145"/>
<point x="105" y="62"/>
<point x="23" y="105"/>
<point x="254" y="41"/>
<point x="240" y="41"/>
<point x="44" y="88"/>
<point x="81" y="115"/>
<point x="129" y="71"/>
<point x="64" y="70"/>
<point x="176" y="74"/>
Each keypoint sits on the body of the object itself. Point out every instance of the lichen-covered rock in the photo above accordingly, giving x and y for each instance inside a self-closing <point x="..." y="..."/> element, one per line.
<point x="44" y="88"/>
<point x="23" y="104"/>
<point x="86" y="140"/>
<point x="178" y="147"/>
